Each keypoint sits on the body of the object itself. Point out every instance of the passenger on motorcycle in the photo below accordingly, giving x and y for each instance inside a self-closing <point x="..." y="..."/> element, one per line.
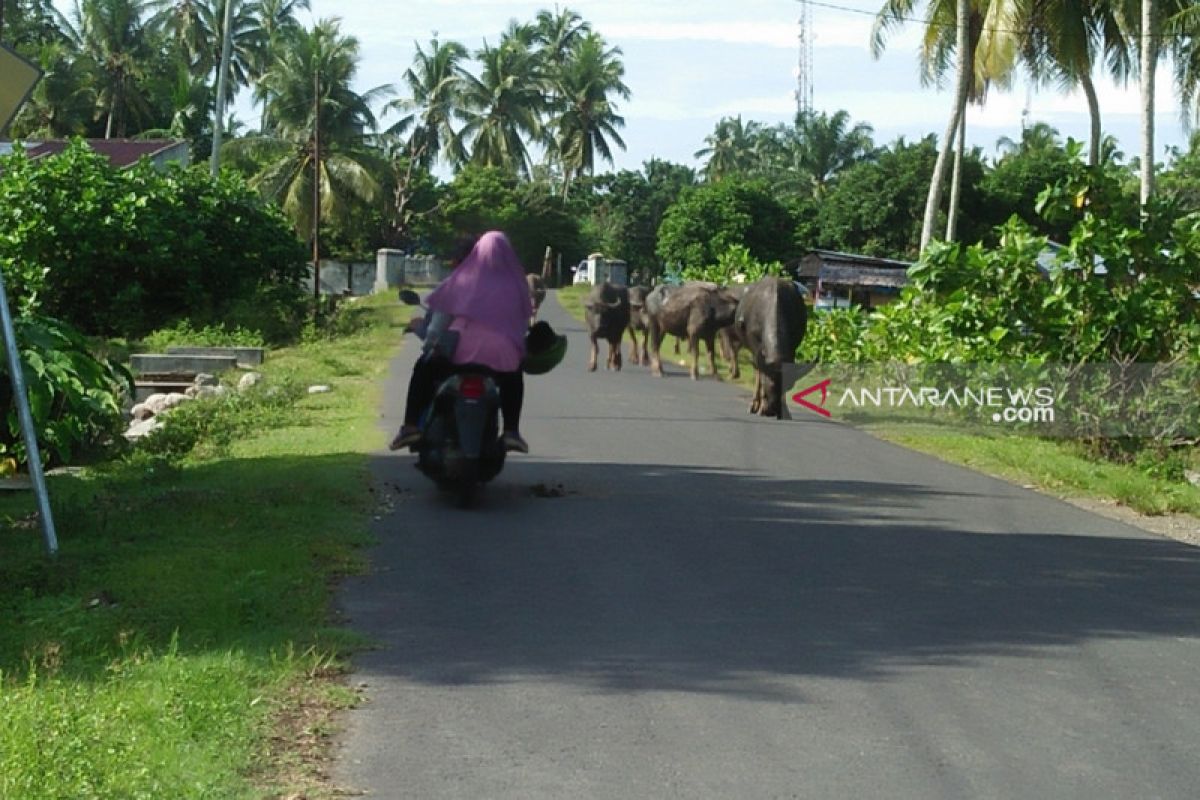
<point x="479" y="315"/>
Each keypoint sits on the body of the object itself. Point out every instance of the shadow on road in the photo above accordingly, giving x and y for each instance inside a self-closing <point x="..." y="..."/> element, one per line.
<point x="655" y="577"/>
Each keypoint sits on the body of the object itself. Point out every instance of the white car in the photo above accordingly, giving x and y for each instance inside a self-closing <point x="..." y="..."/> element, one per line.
<point x="581" y="275"/>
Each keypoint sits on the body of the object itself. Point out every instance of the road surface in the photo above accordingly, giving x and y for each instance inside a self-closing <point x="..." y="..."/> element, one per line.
<point x="724" y="606"/>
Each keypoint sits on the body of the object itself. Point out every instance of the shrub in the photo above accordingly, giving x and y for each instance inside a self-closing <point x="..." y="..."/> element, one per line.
<point x="182" y="333"/>
<point x="74" y="397"/>
<point x="124" y="252"/>
<point x="734" y="265"/>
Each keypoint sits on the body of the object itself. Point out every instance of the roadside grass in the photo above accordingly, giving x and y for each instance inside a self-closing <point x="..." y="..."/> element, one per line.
<point x="1058" y="467"/>
<point x="181" y="644"/>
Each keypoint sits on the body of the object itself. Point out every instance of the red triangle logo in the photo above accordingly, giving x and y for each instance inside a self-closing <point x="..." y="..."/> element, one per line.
<point x="823" y="387"/>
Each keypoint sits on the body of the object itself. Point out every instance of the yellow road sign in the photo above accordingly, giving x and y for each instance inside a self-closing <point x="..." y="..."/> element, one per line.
<point x="17" y="79"/>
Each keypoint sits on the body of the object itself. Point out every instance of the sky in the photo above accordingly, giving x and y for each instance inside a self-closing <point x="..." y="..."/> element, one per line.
<point x="691" y="63"/>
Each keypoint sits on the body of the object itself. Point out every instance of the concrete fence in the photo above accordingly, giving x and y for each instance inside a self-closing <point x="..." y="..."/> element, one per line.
<point x="339" y="276"/>
<point x="394" y="268"/>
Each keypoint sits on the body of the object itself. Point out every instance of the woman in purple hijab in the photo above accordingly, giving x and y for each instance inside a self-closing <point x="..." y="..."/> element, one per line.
<point x="487" y="305"/>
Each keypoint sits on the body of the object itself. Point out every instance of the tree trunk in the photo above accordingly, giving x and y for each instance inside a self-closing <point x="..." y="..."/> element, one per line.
<point x="956" y="176"/>
<point x="962" y="82"/>
<point x="112" y="110"/>
<point x="1089" y="91"/>
<point x="1149" y="53"/>
<point x="222" y="77"/>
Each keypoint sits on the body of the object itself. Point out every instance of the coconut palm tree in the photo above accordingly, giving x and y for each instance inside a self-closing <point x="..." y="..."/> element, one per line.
<point x="730" y="148"/>
<point x="435" y="85"/>
<point x="186" y="23"/>
<point x="587" y="120"/>
<point x="111" y="37"/>
<point x="64" y="101"/>
<point x="276" y="21"/>
<point x="287" y="155"/>
<point x="502" y="108"/>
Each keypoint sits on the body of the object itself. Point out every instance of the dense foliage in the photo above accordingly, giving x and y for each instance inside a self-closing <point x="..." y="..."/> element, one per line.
<point x="125" y="252"/>
<point x="707" y="220"/>
<point x="74" y="397"/>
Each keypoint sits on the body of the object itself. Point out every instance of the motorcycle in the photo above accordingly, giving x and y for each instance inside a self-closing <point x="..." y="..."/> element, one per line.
<point x="460" y="447"/>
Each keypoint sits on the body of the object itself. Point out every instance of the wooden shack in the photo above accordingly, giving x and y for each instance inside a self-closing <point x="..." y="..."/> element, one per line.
<point x="842" y="280"/>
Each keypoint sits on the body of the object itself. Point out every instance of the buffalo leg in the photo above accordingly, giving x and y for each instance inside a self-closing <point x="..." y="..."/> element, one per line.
<point x="633" y="346"/>
<point x="712" y="355"/>
<point x="592" y="358"/>
<point x="656" y="337"/>
<point x="694" y="352"/>
<point x="756" y="402"/>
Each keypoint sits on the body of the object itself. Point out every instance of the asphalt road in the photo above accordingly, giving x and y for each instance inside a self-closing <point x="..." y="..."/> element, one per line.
<point x="724" y="606"/>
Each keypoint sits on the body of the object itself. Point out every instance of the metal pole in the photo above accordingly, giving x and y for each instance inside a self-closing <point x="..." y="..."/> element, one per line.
<point x="222" y="77"/>
<point x="27" y="431"/>
<point x="316" y="231"/>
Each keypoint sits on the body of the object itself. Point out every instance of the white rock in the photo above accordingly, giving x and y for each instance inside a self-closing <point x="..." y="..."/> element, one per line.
<point x="204" y="379"/>
<point x="202" y="392"/>
<point x="155" y="403"/>
<point x="249" y="379"/>
<point x="1192" y="477"/>
<point x="192" y="391"/>
<point x="175" y="399"/>
<point x="141" y="428"/>
<point x="319" y="389"/>
<point x="140" y="412"/>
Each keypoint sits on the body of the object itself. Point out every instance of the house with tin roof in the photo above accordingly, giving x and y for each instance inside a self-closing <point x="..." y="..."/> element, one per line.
<point x="842" y="280"/>
<point x="121" y="153"/>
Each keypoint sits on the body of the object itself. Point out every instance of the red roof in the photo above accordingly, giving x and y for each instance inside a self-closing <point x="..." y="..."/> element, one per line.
<point x="120" y="152"/>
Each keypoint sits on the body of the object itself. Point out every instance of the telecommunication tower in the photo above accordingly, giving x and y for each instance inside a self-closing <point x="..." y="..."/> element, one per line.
<point x="804" y="63"/>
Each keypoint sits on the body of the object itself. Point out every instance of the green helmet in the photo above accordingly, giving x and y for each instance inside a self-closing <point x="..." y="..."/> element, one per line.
<point x="544" y="349"/>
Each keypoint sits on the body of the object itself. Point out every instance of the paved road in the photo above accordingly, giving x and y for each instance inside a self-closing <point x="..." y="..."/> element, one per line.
<point x="722" y="606"/>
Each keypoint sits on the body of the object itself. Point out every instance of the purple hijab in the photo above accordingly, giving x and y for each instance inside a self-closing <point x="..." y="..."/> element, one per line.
<point x="488" y="287"/>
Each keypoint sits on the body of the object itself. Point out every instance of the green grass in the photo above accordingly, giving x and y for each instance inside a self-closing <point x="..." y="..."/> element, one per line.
<point x="188" y="611"/>
<point x="1059" y="467"/>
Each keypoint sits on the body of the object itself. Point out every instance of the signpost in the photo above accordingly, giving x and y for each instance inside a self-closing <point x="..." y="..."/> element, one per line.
<point x="17" y="79"/>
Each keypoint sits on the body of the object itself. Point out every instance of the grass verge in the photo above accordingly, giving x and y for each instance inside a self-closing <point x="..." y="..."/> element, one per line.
<point x="180" y="644"/>
<point x="1058" y="467"/>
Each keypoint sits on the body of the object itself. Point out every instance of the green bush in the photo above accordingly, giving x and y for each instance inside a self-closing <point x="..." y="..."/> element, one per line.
<point x="183" y="333"/>
<point x="207" y="426"/>
<point x="707" y="220"/>
<point x="74" y="397"/>
<point x="126" y="252"/>
<point x="734" y="265"/>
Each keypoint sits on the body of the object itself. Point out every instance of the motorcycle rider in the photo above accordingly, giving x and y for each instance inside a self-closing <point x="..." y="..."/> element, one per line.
<point x="478" y="315"/>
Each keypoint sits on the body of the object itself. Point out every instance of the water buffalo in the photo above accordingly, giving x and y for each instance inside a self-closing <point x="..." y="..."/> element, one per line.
<point x="731" y="343"/>
<point x="638" y="323"/>
<point x="771" y="320"/>
<point x="606" y="311"/>
<point x="696" y="311"/>
<point x="537" y="290"/>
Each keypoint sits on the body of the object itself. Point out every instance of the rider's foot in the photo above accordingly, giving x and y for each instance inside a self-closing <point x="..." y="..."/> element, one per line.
<point x="513" y="441"/>
<point x="407" y="437"/>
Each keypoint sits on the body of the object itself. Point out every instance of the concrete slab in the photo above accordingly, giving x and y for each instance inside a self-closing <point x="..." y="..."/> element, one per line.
<point x="246" y="356"/>
<point x="163" y="363"/>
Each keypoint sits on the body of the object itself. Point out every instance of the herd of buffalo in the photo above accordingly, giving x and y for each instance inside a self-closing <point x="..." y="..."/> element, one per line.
<point x="768" y="318"/>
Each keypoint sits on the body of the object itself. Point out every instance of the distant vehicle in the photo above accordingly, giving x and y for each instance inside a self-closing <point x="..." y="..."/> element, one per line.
<point x="598" y="269"/>
<point x="581" y="273"/>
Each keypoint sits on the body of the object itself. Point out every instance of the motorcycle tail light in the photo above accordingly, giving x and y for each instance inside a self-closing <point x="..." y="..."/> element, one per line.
<point x="471" y="387"/>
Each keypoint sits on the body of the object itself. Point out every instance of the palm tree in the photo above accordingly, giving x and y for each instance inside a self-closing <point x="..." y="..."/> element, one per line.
<point x="558" y="32"/>
<point x="1037" y="137"/>
<point x="503" y="106"/>
<point x="826" y="145"/>
<point x="286" y="156"/>
<point x="730" y="148"/>
<point x="588" y="119"/>
<point x="111" y="36"/>
<point x="982" y="43"/>
<point x="185" y="23"/>
<point x="1066" y="40"/>
<point x="276" y="21"/>
<point x="63" y="102"/>
<point x="435" y="84"/>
